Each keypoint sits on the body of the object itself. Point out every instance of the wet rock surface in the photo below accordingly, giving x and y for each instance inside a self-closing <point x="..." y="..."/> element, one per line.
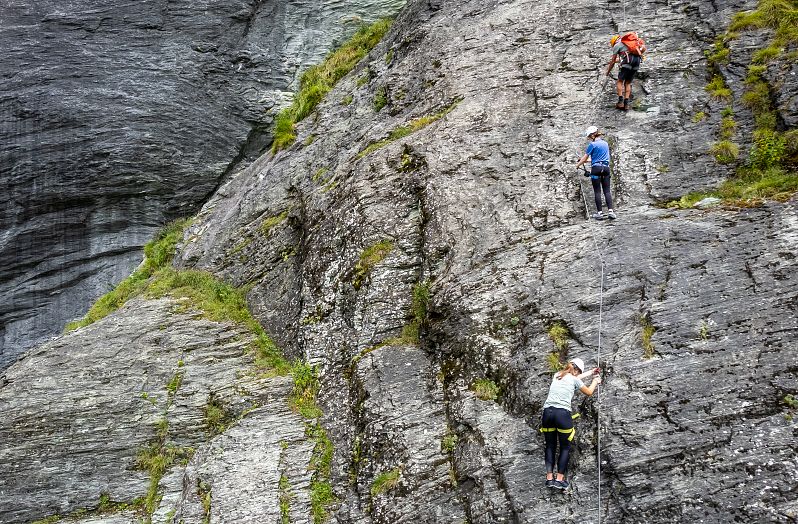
<point x="118" y="117"/>
<point x="337" y="237"/>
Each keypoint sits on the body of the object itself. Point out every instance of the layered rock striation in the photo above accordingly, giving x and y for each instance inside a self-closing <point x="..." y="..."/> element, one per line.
<point x="426" y="232"/>
<point x="118" y="117"/>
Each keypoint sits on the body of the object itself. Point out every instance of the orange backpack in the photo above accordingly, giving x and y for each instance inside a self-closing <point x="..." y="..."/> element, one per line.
<point x="634" y="43"/>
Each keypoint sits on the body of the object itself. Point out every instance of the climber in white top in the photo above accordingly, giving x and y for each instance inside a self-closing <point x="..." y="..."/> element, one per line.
<point x="557" y="419"/>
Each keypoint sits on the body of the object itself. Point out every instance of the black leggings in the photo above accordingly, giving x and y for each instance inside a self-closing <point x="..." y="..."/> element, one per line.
<point x="558" y="418"/>
<point x="600" y="178"/>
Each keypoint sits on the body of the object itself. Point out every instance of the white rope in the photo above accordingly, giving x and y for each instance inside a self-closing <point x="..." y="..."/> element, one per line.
<point x="598" y="397"/>
<point x="598" y="362"/>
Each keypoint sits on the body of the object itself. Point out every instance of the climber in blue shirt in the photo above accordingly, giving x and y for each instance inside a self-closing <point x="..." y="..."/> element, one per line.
<point x="599" y="154"/>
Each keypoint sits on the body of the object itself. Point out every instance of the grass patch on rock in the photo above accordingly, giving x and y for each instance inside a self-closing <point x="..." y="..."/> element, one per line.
<point x="408" y="129"/>
<point x="485" y="389"/>
<point x="647" y="334"/>
<point x="201" y="290"/>
<point x="321" y="493"/>
<point x="158" y="253"/>
<point x="385" y="481"/>
<point x="306" y="388"/>
<point x="370" y="257"/>
<point x="318" y="80"/>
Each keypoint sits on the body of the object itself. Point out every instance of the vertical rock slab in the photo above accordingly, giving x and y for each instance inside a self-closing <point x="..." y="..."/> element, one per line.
<point x="118" y="117"/>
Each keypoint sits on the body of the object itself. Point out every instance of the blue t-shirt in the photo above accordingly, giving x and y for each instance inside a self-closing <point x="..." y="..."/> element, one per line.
<point x="599" y="152"/>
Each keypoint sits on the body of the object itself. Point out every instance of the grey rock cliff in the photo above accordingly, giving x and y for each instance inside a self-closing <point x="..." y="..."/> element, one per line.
<point x="482" y="205"/>
<point x="118" y="117"/>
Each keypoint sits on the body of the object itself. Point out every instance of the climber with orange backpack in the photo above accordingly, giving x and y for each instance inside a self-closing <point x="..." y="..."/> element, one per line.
<point x="628" y="51"/>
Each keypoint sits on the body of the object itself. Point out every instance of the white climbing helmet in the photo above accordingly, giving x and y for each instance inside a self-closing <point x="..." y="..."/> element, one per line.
<point x="590" y="130"/>
<point x="578" y="363"/>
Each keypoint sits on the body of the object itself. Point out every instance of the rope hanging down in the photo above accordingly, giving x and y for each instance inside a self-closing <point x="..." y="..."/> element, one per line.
<point x="598" y="364"/>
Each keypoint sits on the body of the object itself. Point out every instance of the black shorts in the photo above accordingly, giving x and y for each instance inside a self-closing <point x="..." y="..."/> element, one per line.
<point x="626" y="74"/>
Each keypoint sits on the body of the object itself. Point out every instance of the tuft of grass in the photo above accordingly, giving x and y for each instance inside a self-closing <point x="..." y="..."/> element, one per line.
<point x="408" y="129"/>
<point x="370" y="257"/>
<point x="271" y="222"/>
<point x="206" y="498"/>
<point x="485" y="389"/>
<point x="698" y="117"/>
<point x="345" y="101"/>
<point x="217" y="416"/>
<point x="725" y="151"/>
<point x="321" y="493"/>
<point x="158" y="254"/>
<point x="285" y="499"/>
<point x="553" y="361"/>
<point x="703" y="330"/>
<point x="385" y="481"/>
<point x="728" y="126"/>
<point x="306" y="387"/>
<point x="791" y="401"/>
<point x="717" y="88"/>
<point x="719" y="54"/>
<point x="449" y="443"/>
<point x="743" y="21"/>
<point x="560" y="335"/>
<point x="380" y="99"/>
<point x="647" y="335"/>
<point x="318" y="80"/>
<point x="757" y="97"/>
<point x="763" y="56"/>
<point x="755" y="74"/>
<point x="748" y="187"/>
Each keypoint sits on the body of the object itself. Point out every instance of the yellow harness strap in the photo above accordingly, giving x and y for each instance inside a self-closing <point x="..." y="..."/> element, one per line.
<point x="572" y="431"/>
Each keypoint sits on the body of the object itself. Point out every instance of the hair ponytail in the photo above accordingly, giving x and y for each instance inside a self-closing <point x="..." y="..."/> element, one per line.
<point x="565" y="371"/>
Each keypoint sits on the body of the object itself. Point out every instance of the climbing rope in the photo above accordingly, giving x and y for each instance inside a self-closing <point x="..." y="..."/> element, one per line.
<point x="598" y="358"/>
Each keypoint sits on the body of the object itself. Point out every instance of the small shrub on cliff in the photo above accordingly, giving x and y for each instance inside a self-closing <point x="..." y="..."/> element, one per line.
<point x="306" y="387"/>
<point x="560" y="335"/>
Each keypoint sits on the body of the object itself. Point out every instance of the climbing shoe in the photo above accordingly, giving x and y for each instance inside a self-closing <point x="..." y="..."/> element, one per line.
<point x="611" y="214"/>
<point x="620" y="105"/>
<point x="561" y="484"/>
<point x="551" y="483"/>
<point x="598" y="216"/>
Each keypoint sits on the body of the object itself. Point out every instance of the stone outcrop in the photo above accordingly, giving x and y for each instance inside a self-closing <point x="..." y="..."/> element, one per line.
<point x="118" y="117"/>
<point x="414" y="248"/>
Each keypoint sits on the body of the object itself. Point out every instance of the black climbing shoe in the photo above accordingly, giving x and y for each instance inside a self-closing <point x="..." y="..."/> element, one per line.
<point x="561" y="484"/>
<point x="550" y="483"/>
<point x="620" y="105"/>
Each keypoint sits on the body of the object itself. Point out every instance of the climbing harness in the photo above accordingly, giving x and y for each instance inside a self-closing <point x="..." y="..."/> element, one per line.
<point x="571" y="432"/>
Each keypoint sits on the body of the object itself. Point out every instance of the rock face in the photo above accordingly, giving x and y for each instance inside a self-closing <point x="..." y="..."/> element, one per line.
<point x="117" y="117"/>
<point x="106" y="392"/>
<point x="461" y="187"/>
